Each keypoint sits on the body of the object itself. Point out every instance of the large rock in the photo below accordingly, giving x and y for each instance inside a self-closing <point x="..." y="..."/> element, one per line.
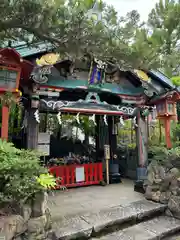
<point x="35" y="236"/>
<point x="174" y="206"/>
<point x="150" y="177"/>
<point x="40" y="204"/>
<point x="164" y="197"/>
<point x="165" y="183"/>
<point x="175" y="172"/>
<point x="37" y="225"/>
<point x="26" y="212"/>
<point x="156" y="196"/>
<point x="48" y="225"/>
<point x="174" y="186"/>
<point x="148" y="193"/>
<point x="11" y="226"/>
<point x="162" y="172"/>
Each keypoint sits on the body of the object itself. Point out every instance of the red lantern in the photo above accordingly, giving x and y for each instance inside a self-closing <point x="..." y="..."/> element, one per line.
<point x="166" y="112"/>
<point x="12" y="67"/>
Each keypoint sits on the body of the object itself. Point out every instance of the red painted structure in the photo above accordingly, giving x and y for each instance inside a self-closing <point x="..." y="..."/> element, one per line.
<point x="166" y="112"/>
<point x="12" y="61"/>
<point x="93" y="175"/>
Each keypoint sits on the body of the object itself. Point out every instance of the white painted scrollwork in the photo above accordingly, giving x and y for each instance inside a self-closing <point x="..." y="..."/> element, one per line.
<point x="56" y="104"/>
<point x="126" y="110"/>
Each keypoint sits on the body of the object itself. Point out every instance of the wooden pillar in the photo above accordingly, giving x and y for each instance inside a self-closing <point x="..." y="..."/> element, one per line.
<point x="167" y="124"/>
<point x="97" y="132"/>
<point x="112" y="137"/>
<point x="32" y="130"/>
<point x="5" y="122"/>
<point x="103" y="134"/>
<point x="142" y="140"/>
<point x="142" y="152"/>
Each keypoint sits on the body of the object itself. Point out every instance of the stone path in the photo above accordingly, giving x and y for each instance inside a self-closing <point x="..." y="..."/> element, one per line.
<point x="78" y="201"/>
<point x="90" y="211"/>
<point x="90" y="224"/>
<point x="175" y="237"/>
<point x="148" y="230"/>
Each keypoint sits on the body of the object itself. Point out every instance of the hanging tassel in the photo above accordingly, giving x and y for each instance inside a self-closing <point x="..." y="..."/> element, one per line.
<point x="134" y="122"/>
<point x="59" y="118"/>
<point x="105" y="120"/>
<point x="122" y="121"/>
<point x="36" y="115"/>
<point x="93" y="119"/>
<point x="77" y="118"/>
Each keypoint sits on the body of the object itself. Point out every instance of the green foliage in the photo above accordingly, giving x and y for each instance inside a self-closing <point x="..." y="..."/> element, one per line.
<point x="73" y="30"/>
<point x="15" y="112"/>
<point x="176" y="134"/>
<point x="176" y="80"/>
<point x="19" y="170"/>
<point x="127" y="135"/>
<point x="165" y="28"/>
<point x="46" y="180"/>
<point x="163" y="155"/>
<point x="87" y="127"/>
<point x="158" y="153"/>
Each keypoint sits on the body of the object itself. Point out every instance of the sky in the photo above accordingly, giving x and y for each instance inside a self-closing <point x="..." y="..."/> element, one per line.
<point x="142" y="6"/>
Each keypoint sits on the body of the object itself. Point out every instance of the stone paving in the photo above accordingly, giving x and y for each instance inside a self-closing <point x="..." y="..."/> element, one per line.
<point x="95" y="224"/>
<point x="82" y="212"/>
<point x="153" y="229"/>
<point x="91" y="199"/>
<point x="175" y="237"/>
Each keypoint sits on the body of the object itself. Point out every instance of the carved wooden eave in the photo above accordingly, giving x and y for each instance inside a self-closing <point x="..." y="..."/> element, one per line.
<point x="173" y="96"/>
<point x="85" y="107"/>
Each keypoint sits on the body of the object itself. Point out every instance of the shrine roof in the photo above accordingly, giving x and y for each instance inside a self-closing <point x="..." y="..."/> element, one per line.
<point x="105" y="87"/>
<point x="25" y="51"/>
<point x="162" y="78"/>
<point x="41" y="47"/>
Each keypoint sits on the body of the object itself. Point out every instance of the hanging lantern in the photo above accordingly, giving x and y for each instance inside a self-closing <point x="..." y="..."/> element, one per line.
<point x="9" y="78"/>
<point x="161" y="109"/>
<point x="145" y="112"/>
<point x="166" y="107"/>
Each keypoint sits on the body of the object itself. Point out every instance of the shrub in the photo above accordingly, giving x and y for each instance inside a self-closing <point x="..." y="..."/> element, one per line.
<point x="20" y="174"/>
<point x="165" y="156"/>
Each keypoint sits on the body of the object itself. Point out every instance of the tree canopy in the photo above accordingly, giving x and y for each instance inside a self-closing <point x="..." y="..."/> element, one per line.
<point x="165" y="29"/>
<point x="72" y="27"/>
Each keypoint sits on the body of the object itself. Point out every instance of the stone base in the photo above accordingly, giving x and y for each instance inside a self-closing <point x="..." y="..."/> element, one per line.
<point x="32" y="222"/>
<point x="139" y="186"/>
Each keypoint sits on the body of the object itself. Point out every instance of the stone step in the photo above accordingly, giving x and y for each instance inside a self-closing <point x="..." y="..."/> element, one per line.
<point x="93" y="224"/>
<point x="173" y="237"/>
<point x="154" y="229"/>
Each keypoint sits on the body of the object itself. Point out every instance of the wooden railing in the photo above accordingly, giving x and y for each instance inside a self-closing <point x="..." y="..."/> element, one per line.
<point x="78" y="175"/>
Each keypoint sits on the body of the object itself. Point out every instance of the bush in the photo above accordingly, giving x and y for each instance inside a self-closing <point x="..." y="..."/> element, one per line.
<point x="165" y="156"/>
<point x="20" y="172"/>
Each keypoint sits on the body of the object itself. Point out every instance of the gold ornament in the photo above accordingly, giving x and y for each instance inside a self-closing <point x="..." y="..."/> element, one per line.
<point x="142" y="75"/>
<point x="48" y="59"/>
